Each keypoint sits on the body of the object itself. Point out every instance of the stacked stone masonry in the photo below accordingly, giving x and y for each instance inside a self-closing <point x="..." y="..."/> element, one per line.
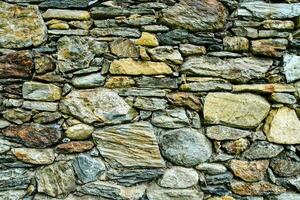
<point x="150" y="100"/>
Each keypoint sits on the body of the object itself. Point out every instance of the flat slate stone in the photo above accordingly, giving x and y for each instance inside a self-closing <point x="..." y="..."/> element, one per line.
<point x="67" y="3"/>
<point x="262" y="149"/>
<point x="129" y="145"/>
<point x="15" y="179"/>
<point x="225" y="133"/>
<point x="21" y="29"/>
<point x="103" y="13"/>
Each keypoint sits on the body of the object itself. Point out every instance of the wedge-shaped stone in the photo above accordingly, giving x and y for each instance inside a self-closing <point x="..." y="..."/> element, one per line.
<point x="282" y="126"/>
<point x="263" y="10"/>
<point x="21" y="26"/>
<point x="104" y="106"/>
<point x="236" y="110"/>
<point x="16" y="65"/>
<point x="132" y="67"/>
<point x="41" y="91"/>
<point x="261" y="188"/>
<point x="264" y="88"/>
<point x="66" y="14"/>
<point x="170" y="118"/>
<point x="236" y="70"/>
<point x="194" y="15"/>
<point x="130" y="145"/>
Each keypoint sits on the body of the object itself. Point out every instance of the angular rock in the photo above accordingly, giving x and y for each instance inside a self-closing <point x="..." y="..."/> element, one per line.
<point x="147" y="39"/>
<point x="269" y="47"/>
<point x="166" y="54"/>
<point x="43" y="64"/>
<point x="117" y="32"/>
<point x="111" y="12"/>
<point x="264" y="88"/>
<point x="130" y="177"/>
<point x="56" y="179"/>
<point x="13" y="194"/>
<point x="261" y="188"/>
<point x="66" y="14"/>
<point x="33" y="135"/>
<point x="40" y="106"/>
<point x="73" y="32"/>
<point x="185" y="147"/>
<point x="283" y="98"/>
<point x="17" y="115"/>
<point x="136" y="20"/>
<point x="14" y="179"/>
<point x="67" y="4"/>
<point x="282" y="126"/>
<point x="250" y="171"/>
<point x="88" y="81"/>
<point x="75" y="147"/>
<point x="264" y="10"/>
<point x="154" y="192"/>
<point x="205" y="84"/>
<point x="216" y="190"/>
<point x="179" y="177"/>
<point x="21" y="29"/>
<point x="88" y="169"/>
<point x="236" y="70"/>
<point x="192" y="15"/>
<point x="79" y="132"/>
<point x="145" y="92"/>
<point x="175" y="118"/>
<point x="104" y="106"/>
<point x="130" y="145"/>
<point x="107" y="190"/>
<point x="119" y="82"/>
<point x="41" y="91"/>
<point x="211" y="168"/>
<point x="34" y="156"/>
<point x="131" y="67"/>
<point x="225" y="133"/>
<point x="124" y="48"/>
<point x="285" y="167"/>
<point x="236" y="110"/>
<point x="278" y="24"/>
<point x="287" y="195"/>
<point x="185" y="99"/>
<point x="238" y="44"/>
<point x="86" y="25"/>
<point x="218" y="179"/>
<point x="261" y="150"/>
<point x="154" y="82"/>
<point x="236" y="147"/>
<point x="150" y="104"/>
<point x="190" y="49"/>
<point x="17" y="64"/>
<point x="291" y="67"/>
<point x="46" y="117"/>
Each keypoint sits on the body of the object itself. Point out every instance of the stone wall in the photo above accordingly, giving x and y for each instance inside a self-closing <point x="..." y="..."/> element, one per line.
<point x="149" y="100"/>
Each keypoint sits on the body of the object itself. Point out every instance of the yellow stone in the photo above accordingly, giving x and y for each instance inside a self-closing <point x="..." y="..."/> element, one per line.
<point x="119" y="82"/>
<point x="60" y="26"/>
<point x="222" y="198"/>
<point x="131" y="67"/>
<point x="66" y="14"/>
<point x="147" y="39"/>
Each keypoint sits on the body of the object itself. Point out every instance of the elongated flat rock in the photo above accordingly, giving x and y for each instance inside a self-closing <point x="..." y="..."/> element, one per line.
<point x="236" y="110"/>
<point x="66" y="14"/>
<point x="129" y="145"/>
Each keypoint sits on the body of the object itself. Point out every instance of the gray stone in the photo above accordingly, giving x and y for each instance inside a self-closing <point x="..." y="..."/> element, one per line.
<point x="4" y="123"/>
<point x="179" y="177"/>
<point x="144" y="92"/>
<point x="291" y="67"/>
<point x="166" y="54"/>
<point x="41" y="91"/>
<point x="105" y="23"/>
<point x="118" y="32"/>
<point x="245" y="32"/>
<point x="88" y="81"/>
<point x="218" y="178"/>
<point x="17" y="115"/>
<point x="262" y="149"/>
<point x="70" y="32"/>
<point x="154" y="192"/>
<point x="150" y="104"/>
<point x="190" y="49"/>
<point x="13" y="195"/>
<point x="110" y="12"/>
<point x="225" y="133"/>
<point x="103" y="107"/>
<point x="136" y="20"/>
<point x="263" y="10"/>
<point x="67" y="3"/>
<point x="46" y="117"/>
<point x="155" y="28"/>
<point x="204" y="84"/>
<point x="219" y="190"/>
<point x="185" y="147"/>
<point x="130" y="177"/>
<point x="15" y="179"/>
<point x="283" y="98"/>
<point x="195" y="16"/>
<point x="285" y="167"/>
<point x="286" y="196"/>
<point x="236" y="70"/>
<point x="175" y="118"/>
<point x="56" y="180"/>
<point x="211" y="168"/>
<point x="88" y="169"/>
<point x="154" y="82"/>
<point x="40" y="106"/>
<point x="129" y="145"/>
<point x="21" y="29"/>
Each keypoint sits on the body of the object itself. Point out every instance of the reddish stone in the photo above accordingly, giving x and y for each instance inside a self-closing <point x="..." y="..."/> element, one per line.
<point x="75" y="147"/>
<point x="261" y="188"/>
<point x="33" y="135"/>
<point x="16" y="65"/>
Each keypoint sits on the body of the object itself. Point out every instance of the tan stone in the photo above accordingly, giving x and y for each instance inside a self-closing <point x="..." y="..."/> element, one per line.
<point x="282" y="126"/>
<point x="66" y="14"/>
<point x="249" y="170"/>
<point x="236" y="44"/>
<point x="264" y="88"/>
<point x="256" y="189"/>
<point x="222" y="198"/>
<point x="34" y="156"/>
<point x="79" y="131"/>
<point x="132" y="67"/>
<point x="236" y="110"/>
<point x="119" y="82"/>
<point x="185" y="99"/>
<point x="147" y="39"/>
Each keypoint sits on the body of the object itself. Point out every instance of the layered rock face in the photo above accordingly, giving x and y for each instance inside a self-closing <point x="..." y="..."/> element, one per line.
<point x="150" y="100"/>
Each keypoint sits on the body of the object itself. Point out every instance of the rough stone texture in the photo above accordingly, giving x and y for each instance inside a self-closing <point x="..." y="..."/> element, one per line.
<point x="104" y="106"/>
<point x="176" y="118"/>
<point x="79" y="131"/>
<point x="35" y="156"/>
<point x="262" y="149"/>
<point x="291" y="67"/>
<point x="186" y="147"/>
<point x="40" y="91"/>
<point x="236" y="70"/>
<point x="236" y="110"/>
<point x="124" y="48"/>
<point x="15" y="179"/>
<point x="225" y="133"/>
<point x="285" y="167"/>
<point x="186" y="100"/>
<point x="21" y="29"/>
<point x="207" y="15"/>
<point x="75" y="147"/>
<point x="131" y="145"/>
